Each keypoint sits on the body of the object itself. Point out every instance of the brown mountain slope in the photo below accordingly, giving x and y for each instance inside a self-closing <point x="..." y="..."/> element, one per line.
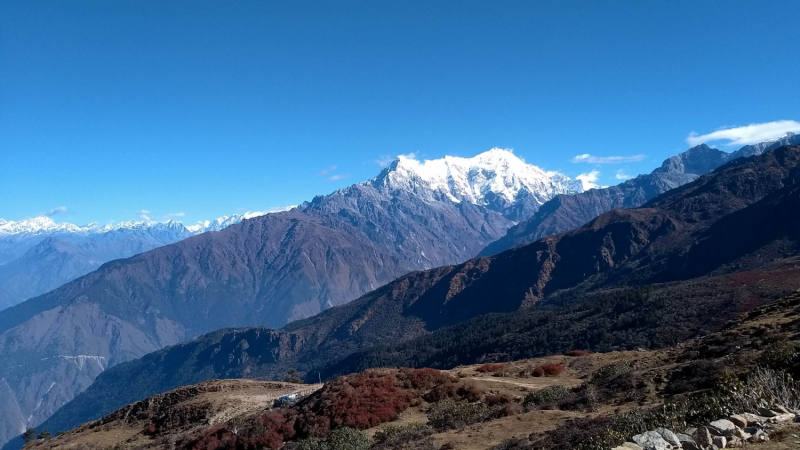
<point x="510" y="409"/>
<point x="620" y="248"/>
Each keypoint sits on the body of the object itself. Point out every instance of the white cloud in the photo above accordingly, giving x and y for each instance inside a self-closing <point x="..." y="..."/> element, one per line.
<point x="144" y="215"/>
<point x="56" y="211"/>
<point x="384" y="160"/>
<point x="621" y="175"/>
<point x="177" y="214"/>
<point x="589" y="179"/>
<point x="749" y="134"/>
<point x="327" y="170"/>
<point x="587" y="158"/>
<point x="337" y="177"/>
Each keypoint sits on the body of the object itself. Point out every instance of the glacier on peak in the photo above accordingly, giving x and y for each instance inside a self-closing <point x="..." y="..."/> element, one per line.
<point x="496" y="178"/>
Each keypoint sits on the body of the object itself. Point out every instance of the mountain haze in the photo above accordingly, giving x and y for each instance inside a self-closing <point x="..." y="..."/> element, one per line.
<point x="266" y="270"/>
<point x="687" y="236"/>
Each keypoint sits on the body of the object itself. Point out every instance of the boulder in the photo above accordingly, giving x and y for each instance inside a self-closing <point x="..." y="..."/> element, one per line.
<point x="752" y="419"/>
<point x="741" y="434"/>
<point x="686" y="441"/>
<point x="720" y="441"/>
<point x="650" y="440"/>
<point x="669" y="436"/>
<point x="758" y="435"/>
<point x="631" y="446"/>
<point x="767" y="412"/>
<point x="702" y="437"/>
<point x="781" y="409"/>
<point x="735" y="442"/>
<point x="722" y="427"/>
<point x="738" y="420"/>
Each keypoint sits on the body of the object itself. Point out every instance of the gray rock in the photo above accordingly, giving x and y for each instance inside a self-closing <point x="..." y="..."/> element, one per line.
<point x="702" y="436"/>
<point x="767" y="412"/>
<point x="752" y="419"/>
<point x="738" y="420"/>
<point x="651" y="440"/>
<point x="686" y="441"/>
<point x="720" y="441"/>
<point x="669" y="436"/>
<point x="631" y="446"/>
<point x="722" y="427"/>
<point x="781" y="409"/>
<point x="741" y="434"/>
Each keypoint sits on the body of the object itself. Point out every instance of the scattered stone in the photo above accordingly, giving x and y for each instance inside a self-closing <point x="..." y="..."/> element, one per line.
<point x="741" y="434"/>
<point x="686" y="441"/>
<point x="767" y="412"/>
<point x="630" y="446"/>
<point x="702" y="437"/>
<point x="722" y="427"/>
<point x="781" y="409"/>
<point x="782" y="417"/>
<point x="758" y="436"/>
<point x="669" y="436"/>
<point x="650" y="440"/>
<point x="752" y="419"/>
<point x="720" y="441"/>
<point x="738" y="420"/>
<point x="735" y="442"/>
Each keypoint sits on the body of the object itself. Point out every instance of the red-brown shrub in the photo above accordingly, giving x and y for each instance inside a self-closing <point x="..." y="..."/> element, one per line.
<point x="552" y="370"/>
<point x="491" y="367"/>
<point x="577" y="353"/>
<point x="359" y="401"/>
<point x="423" y="379"/>
<point x="496" y="399"/>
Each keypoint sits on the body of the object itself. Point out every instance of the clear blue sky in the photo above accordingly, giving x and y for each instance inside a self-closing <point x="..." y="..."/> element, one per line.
<point x="207" y="107"/>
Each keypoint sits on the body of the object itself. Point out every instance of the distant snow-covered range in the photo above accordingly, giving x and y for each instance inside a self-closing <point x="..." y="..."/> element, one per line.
<point x="39" y="254"/>
<point x="496" y="179"/>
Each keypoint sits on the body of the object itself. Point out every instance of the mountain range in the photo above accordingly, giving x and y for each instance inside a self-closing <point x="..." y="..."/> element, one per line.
<point x="38" y="255"/>
<point x="265" y="271"/>
<point x="683" y="250"/>
<point x="565" y="212"/>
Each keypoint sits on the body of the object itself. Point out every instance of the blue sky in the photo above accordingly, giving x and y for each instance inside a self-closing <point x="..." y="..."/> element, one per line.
<point x="208" y="108"/>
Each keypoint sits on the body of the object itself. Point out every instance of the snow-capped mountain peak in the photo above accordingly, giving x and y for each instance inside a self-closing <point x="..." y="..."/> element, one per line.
<point x="495" y="178"/>
<point x="43" y="225"/>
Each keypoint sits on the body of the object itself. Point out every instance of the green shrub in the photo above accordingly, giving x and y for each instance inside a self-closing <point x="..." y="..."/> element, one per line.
<point x="313" y="444"/>
<point x="545" y="396"/>
<point x="611" y="371"/>
<point x="347" y="438"/>
<point x="393" y="435"/>
<point x="780" y="355"/>
<point x="450" y="414"/>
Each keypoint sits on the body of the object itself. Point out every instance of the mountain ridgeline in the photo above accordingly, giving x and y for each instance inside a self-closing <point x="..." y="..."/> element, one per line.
<point x="646" y="276"/>
<point x="264" y="271"/>
<point x="566" y="212"/>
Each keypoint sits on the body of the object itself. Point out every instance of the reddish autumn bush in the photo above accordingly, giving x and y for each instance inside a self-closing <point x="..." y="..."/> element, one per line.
<point x="268" y="430"/>
<point x="496" y="399"/>
<point x="358" y="401"/>
<point x="423" y="379"/>
<point x="491" y="367"/>
<point x="577" y="353"/>
<point x="547" y="370"/>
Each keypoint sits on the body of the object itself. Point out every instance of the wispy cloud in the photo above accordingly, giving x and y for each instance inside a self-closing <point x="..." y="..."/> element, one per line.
<point x="590" y="159"/>
<point x="327" y="170"/>
<point x="589" y="179"/>
<point x="337" y="177"/>
<point x="56" y="211"/>
<point x="177" y="214"/>
<point x="621" y="175"/>
<point x="749" y="134"/>
<point x="384" y="160"/>
<point x="144" y="215"/>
